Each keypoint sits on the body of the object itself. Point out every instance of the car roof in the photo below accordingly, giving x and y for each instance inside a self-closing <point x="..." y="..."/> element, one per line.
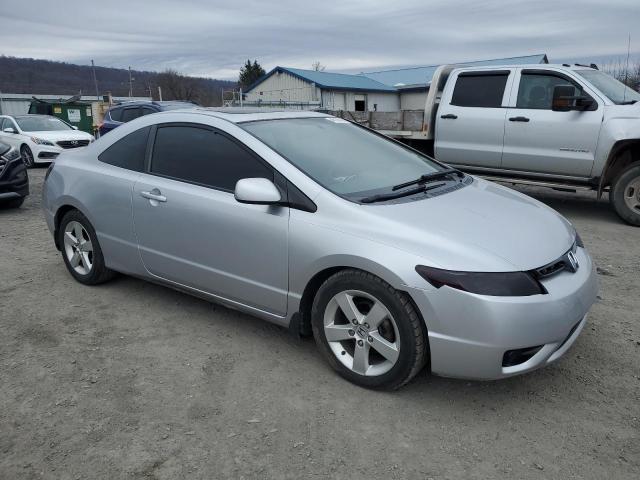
<point x="163" y="103"/>
<point x="240" y="114"/>
<point x="541" y="66"/>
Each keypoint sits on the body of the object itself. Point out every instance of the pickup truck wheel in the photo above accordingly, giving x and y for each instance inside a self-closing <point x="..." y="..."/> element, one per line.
<point x="625" y="194"/>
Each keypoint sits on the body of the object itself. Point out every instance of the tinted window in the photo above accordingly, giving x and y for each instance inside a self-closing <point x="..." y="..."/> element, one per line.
<point x="130" y="113"/>
<point x="129" y="151"/>
<point x="479" y="90"/>
<point x="148" y="110"/>
<point x="205" y="157"/>
<point x="536" y="91"/>
<point x="116" y="114"/>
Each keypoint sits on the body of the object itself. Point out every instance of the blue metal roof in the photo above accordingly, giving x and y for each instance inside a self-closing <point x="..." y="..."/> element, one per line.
<point x="386" y="80"/>
<point x="331" y="81"/>
<point x="413" y="76"/>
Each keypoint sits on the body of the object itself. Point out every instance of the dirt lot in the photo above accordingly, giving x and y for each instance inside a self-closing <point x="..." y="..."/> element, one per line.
<point x="133" y="380"/>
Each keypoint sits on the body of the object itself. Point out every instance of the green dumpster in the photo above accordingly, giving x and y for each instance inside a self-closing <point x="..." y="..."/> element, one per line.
<point x="72" y="110"/>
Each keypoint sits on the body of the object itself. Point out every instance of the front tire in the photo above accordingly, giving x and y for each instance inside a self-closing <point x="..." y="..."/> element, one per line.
<point x="81" y="251"/>
<point x="370" y="333"/>
<point x="27" y="156"/>
<point x="625" y="194"/>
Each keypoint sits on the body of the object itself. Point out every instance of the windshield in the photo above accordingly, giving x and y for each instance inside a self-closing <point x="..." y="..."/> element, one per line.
<point x="41" y="124"/>
<point x="341" y="156"/>
<point x="616" y="91"/>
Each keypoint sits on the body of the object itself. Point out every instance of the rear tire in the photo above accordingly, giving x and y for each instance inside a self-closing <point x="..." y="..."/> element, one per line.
<point x="625" y="194"/>
<point x="81" y="251"/>
<point x="15" y="203"/>
<point x="27" y="156"/>
<point x="381" y="340"/>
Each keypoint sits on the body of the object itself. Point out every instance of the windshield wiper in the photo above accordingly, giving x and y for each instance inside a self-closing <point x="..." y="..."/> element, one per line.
<point x="381" y="197"/>
<point x="628" y="102"/>
<point x="428" y="177"/>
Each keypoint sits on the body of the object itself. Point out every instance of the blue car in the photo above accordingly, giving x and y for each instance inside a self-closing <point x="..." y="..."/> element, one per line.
<point x="125" y="112"/>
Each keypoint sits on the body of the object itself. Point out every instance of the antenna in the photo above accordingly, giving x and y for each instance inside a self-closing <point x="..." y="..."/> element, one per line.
<point x="626" y="70"/>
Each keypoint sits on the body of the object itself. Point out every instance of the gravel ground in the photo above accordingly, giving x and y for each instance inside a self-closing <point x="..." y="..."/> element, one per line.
<point x="133" y="380"/>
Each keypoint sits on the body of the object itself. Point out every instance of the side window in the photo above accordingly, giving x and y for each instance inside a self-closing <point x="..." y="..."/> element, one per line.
<point x="205" y="157"/>
<point x="479" y="89"/>
<point x="536" y="90"/>
<point x="147" y="111"/>
<point x="3" y="122"/>
<point x="130" y="113"/>
<point x="116" y="114"/>
<point x="129" y="151"/>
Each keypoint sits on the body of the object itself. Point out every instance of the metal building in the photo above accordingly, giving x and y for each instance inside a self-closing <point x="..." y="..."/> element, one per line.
<point x="402" y="89"/>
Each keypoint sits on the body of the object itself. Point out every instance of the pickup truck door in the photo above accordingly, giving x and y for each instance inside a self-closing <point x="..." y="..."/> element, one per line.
<point x="537" y="139"/>
<point x="471" y="117"/>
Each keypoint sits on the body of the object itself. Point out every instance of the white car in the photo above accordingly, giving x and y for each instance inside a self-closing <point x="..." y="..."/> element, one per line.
<point x="40" y="138"/>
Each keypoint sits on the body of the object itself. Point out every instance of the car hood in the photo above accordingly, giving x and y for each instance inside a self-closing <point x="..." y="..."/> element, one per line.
<point x="480" y="227"/>
<point x="58" y="135"/>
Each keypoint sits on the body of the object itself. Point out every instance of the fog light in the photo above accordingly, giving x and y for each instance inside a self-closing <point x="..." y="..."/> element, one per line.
<point x="521" y="355"/>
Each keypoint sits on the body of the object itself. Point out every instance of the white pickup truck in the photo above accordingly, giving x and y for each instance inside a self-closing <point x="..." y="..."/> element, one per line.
<point x="559" y="126"/>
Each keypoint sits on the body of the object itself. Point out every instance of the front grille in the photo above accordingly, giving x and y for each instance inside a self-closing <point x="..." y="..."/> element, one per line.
<point x="73" y="143"/>
<point x="567" y="262"/>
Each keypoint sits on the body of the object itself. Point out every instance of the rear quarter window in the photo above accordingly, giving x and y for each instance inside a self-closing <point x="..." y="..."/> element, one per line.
<point x="115" y="114"/>
<point x="479" y="90"/>
<point x="128" y="152"/>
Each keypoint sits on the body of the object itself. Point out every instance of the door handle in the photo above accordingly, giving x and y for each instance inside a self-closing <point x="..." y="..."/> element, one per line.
<point x="154" y="195"/>
<point x="518" y="119"/>
<point x="449" y="116"/>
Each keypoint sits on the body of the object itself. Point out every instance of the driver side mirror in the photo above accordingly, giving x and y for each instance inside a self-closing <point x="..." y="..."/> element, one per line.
<point x="565" y="100"/>
<point x="9" y="130"/>
<point x="257" y="191"/>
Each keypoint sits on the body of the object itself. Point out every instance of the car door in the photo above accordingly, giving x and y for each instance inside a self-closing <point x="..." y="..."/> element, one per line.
<point x="470" y="120"/>
<point x="193" y="232"/>
<point x="538" y="139"/>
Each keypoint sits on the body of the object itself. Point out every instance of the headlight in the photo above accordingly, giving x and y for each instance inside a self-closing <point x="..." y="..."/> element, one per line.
<point x="41" y="141"/>
<point x="499" y="284"/>
<point x="11" y="155"/>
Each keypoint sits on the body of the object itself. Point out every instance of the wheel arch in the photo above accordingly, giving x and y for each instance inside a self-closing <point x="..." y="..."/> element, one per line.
<point x="60" y="213"/>
<point x="623" y="153"/>
<point x="302" y="322"/>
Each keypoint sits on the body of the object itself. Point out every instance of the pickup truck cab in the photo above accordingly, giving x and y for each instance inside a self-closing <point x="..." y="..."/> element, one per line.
<point x="565" y="127"/>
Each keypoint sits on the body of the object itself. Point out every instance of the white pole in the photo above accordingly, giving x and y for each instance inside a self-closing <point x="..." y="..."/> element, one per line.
<point x="240" y="98"/>
<point x="160" y="92"/>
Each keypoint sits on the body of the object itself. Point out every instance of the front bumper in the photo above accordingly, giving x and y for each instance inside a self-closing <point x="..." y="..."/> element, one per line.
<point x="469" y="334"/>
<point x="45" y="153"/>
<point x="14" y="181"/>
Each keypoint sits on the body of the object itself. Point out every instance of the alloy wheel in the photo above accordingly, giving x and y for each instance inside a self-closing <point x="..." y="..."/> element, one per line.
<point x="78" y="247"/>
<point x="361" y="333"/>
<point x="632" y="194"/>
<point x="27" y="157"/>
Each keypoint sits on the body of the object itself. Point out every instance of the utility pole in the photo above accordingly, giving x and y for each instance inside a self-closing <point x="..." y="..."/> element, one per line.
<point x="95" y="79"/>
<point x="130" y="84"/>
<point x="159" y="92"/>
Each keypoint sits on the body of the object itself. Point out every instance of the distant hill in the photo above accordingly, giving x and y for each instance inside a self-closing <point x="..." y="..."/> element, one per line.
<point x="28" y="75"/>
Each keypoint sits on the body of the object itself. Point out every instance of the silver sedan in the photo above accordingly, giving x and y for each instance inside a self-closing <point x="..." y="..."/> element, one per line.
<point x="391" y="260"/>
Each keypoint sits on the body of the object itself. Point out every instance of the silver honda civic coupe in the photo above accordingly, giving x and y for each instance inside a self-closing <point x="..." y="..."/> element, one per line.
<point x="391" y="260"/>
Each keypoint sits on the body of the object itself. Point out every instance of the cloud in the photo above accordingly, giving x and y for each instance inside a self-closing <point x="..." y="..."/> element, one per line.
<point x="212" y="38"/>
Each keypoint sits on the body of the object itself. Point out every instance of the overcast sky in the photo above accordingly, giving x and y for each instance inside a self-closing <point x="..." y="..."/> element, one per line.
<point x="212" y="38"/>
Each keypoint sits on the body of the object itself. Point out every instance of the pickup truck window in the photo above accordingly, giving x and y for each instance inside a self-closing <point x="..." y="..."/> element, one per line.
<point x="536" y="90"/>
<point x="479" y="89"/>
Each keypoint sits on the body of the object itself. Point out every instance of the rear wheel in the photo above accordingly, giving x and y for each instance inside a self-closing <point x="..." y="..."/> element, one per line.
<point x="370" y="333"/>
<point x="27" y="156"/>
<point x="81" y="251"/>
<point x="625" y="194"/>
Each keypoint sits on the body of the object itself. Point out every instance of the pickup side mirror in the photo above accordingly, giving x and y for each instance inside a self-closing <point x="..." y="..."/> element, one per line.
<point x="9" y="130"/>
<point x="565" y="100"/>
<point x="257" y="191"/>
